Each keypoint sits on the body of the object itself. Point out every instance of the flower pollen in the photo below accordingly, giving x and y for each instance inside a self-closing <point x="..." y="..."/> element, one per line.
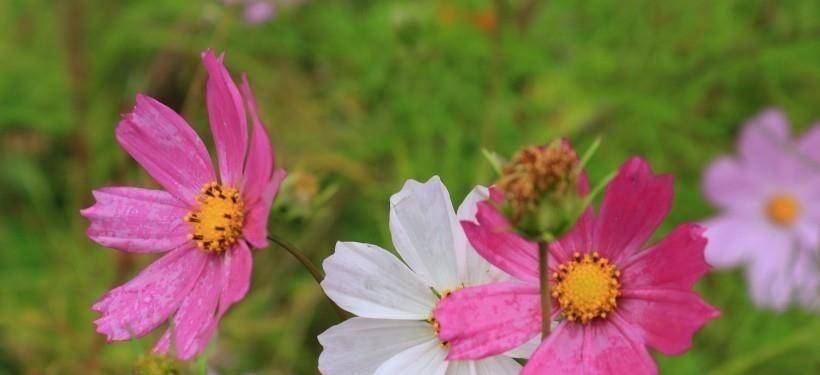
<point x="217" y="223"/>
<point x="783" y="210"/>
<point x="586" y="287"/>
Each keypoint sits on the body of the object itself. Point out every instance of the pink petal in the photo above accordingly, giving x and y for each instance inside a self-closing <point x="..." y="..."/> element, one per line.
<point x="608" y="347"/>
<point x="809" y="143"/>
<point x="256" y="223"/>
<point x="491" y="319"/>
<point x="168" y="149"/>
<point x="733" y="240"/>
<point x="227" y="117"/>
<point x="763" y="140"/>
<point x="727" y="185"/>
<point x="579" y="239"/>
<point x="191" y="327"/>
<point x="493" y="238"/>
<point x="142" y="304"/>
<point x="136" y="220"/>
<point x="676" y="262"/>
<point x="259" y="166"/>
<point x="636" y="202"/>
<point x="666" y="318"/>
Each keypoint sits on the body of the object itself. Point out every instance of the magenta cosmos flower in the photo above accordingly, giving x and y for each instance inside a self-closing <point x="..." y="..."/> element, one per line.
<point x="206" y="225"/>
<point x="611" y="299"/>
<point x="769" y="220"/>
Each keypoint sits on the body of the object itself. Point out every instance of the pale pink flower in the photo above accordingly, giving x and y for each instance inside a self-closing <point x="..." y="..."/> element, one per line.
<point x="206" y="225"/>
<point x="769" y="220"/>
<point x="612" y="298"/>
<point x="394" y="332"/>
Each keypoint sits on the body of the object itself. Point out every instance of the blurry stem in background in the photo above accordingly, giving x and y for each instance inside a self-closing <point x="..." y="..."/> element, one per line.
<point x="314" y="271"/>
<point x="543" y="280"/>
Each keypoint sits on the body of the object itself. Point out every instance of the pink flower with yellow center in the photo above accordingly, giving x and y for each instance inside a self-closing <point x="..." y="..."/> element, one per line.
<point x="206" y="226"/>
<point x="769" y="220"/>
<point x="611" y="297"/>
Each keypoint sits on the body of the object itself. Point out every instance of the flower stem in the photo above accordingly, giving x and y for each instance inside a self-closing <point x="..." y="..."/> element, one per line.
<point x="543" y="280"/>
<point x="314" y="271"/>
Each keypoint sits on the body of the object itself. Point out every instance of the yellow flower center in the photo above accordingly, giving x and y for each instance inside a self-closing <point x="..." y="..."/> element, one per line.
<point x="217" y="223"/>
<point x="586" y="287"/>
<point x="783" y="209"/>
<point x="432" y="319"/>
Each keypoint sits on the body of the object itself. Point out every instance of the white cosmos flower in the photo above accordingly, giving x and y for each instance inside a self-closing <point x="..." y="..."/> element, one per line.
<point x="391" y="334"/>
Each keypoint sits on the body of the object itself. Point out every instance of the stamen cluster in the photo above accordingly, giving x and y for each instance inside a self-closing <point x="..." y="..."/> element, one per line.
<point x="586" y="287"/>
<point x="217" y="223"/>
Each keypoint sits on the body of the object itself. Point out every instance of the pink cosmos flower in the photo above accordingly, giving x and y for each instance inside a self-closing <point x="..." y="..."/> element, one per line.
<point x="613" y="299"/>
<point x="206" y="225"/>
<point x="769" y="221"/>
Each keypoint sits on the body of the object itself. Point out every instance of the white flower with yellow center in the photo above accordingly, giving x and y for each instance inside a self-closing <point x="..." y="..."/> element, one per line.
<point x="394" y="332"/>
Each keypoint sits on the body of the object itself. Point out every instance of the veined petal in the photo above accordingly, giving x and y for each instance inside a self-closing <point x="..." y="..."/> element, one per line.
<point x="256" y="223"/>
<point x="142" y="304"/>
<point x="426" y="233"/>
<point x="169" y="150"/>
<point x="473" y="269"/>
<point x="370" y="282"/>
<point x="227" y="116"/>
<point x="260" y="162"/>
<point x="424" y="358"/>
<point x="190" y="331"/>
<point x="666" y="318"/>
<point x="579" y="239"/>
<point x="676" y="262"/>
<point x="495" y="241"/>
<point x="599" y="348"/>
<point x="763" y="141"/>
<point x="635" y="204"/>
<point x="137" y="220"/>
<point x="498" y="365"/>
<point x="358" y="346"/>
<point x="487" y="320"/>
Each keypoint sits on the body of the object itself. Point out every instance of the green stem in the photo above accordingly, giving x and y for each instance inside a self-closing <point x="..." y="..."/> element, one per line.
<point x="314" y="271"/>
<point x="543" y="279"/>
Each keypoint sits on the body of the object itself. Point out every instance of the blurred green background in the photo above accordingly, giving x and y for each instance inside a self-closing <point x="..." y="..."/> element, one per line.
<point x="359" y="96"/>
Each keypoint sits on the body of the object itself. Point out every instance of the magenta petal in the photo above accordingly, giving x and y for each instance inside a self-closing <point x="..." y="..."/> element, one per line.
<point x="491" y="319"/>
<point x="142" y="304"/>
<point x="256" y="223"/>
<point x="168" y="149"/>
<point x="136" y="220"/>
<point x="259" y="166"/>
<point x="227" y="116"/>
<point x="190" y="331"/>
<point x="579" y="239"/>
<point x="494" y="240"/>
<point x="600" y="348"/>
<point x="635" y="203"/>
<point x="676" y="262"/>
<point x="666" y="318"/>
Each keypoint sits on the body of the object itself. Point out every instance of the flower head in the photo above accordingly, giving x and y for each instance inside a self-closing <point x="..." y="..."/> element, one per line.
<point x="206" y="225"/>
<point x="769" y="219"/>
<point x="396" y="331"/>
<point x="611" y="296"/>
<point x="540" y="188"/>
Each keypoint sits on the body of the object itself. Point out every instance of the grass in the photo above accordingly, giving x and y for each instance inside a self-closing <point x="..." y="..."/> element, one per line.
<point x="360" y="96"/>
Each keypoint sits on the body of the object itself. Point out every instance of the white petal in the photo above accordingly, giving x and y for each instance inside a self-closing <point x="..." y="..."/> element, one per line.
<point x="426" y="232"/>
<point x="498" y="365"/>
<point x="370" y="282"/>
<point x="472" y="268"/>
<point x="426" y="358"/>
<point x="359" y="346"/>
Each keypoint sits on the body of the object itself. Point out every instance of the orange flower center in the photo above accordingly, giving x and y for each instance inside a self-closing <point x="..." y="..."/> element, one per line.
<point x="217" y="223"/>
<point x="783" y="209"/>
<point x="587" y="287"/>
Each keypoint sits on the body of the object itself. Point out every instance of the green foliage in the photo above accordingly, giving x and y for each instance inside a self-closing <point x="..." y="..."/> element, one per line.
<point x="362" y="95"/>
